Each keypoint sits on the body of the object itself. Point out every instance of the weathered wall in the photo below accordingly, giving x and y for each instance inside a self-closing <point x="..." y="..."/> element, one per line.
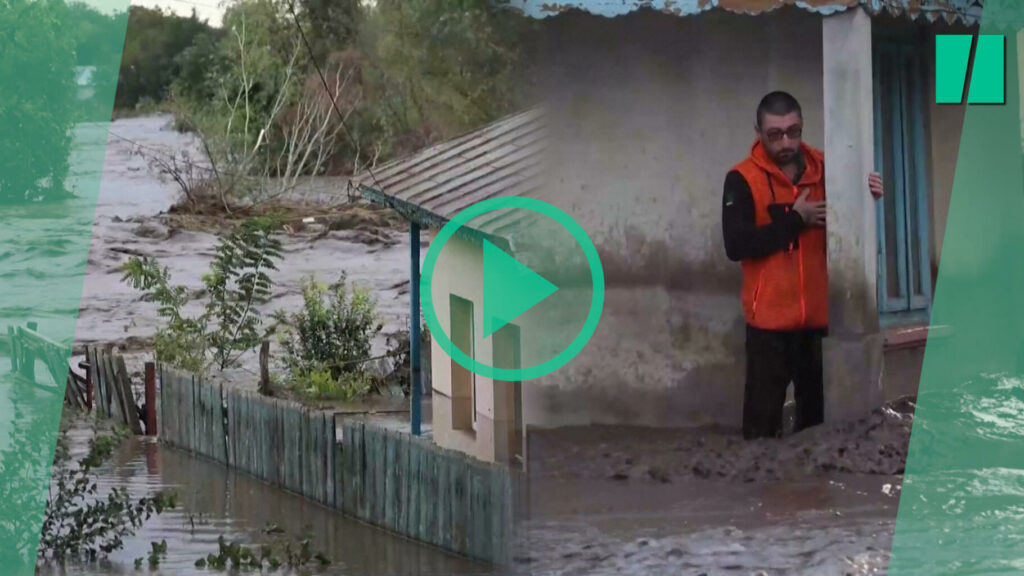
<point x="659" y="357"/>
<point x="649" y="112"/>
<point x="901" y="373"/>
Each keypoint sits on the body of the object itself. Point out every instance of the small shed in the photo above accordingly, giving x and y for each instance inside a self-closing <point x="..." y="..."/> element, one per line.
<point x="430" y="187"/>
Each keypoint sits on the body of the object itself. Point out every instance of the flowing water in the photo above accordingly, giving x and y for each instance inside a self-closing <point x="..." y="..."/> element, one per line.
<point x="214" y="502"/>
<point x="127" y="222"/>
<point x="964" y="505"/>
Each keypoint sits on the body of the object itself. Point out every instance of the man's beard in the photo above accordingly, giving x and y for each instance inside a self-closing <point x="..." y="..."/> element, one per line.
<point x="786" y="156"/>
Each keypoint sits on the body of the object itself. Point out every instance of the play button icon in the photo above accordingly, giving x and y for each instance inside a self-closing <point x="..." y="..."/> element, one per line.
<point x="509" y="288"/>
<point x="521" y="295"/>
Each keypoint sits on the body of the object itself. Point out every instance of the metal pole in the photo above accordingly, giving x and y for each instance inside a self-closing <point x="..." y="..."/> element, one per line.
<point x="150" y="399"/>
<point x="414" y="326"/>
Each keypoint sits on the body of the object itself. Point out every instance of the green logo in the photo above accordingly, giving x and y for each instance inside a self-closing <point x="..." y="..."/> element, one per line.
<point x="953" y="55"/>
<point x="510" y="289"/>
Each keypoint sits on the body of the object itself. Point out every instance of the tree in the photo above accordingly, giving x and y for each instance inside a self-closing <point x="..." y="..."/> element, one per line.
<point x="237" y="284"/>
<point x="37" y="98"/>
<point x="99" y="37"/>
<point x="453" y="64"/>
<point x="154" y="42"/>
<point x="332" y="25"/>
<point x="264" y="121"/>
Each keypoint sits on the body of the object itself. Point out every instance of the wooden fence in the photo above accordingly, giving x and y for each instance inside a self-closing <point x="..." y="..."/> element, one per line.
<point x="106" y="374"/>
<point x="112" y="387"/>
<point x="27" y="346"/>
<point x="413" y="487"/>
<point x="391" y="479"/>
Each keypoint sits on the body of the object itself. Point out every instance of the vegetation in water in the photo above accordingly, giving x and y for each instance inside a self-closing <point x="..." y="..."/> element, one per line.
<point x="237" y="284"/>
<point x="80" y="524"/>
<point x="280" y="552"/>
<point x="158" y="551"/>
<point x="402" y="73"/>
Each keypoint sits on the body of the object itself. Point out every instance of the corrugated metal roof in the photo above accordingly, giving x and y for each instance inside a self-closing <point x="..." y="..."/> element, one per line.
<point x="431" y="186"/>
<point x="962" y="11"/>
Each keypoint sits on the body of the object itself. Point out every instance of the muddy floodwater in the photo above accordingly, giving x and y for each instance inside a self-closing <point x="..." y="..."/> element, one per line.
<point x="615" y="500"/>
<point x="131" y="220"/>
<point x="214" y="502"/>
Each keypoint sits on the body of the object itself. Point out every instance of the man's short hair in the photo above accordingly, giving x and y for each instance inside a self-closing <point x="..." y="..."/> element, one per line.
<point x="777" y="103"/>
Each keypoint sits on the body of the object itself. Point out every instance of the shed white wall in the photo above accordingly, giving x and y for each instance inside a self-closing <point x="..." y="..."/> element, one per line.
<point x="459" y="271"/>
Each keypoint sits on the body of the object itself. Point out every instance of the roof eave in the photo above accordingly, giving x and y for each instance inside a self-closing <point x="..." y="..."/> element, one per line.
<point x="428" y="219"/>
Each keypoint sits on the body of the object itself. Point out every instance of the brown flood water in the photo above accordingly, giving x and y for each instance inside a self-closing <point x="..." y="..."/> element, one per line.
<point x="620" y="500"/>
<point x="131" y="220"/>
<point x="213" y="501"/>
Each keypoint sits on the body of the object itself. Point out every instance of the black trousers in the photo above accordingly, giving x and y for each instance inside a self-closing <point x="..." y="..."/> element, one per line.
<point x="774" y="359"/>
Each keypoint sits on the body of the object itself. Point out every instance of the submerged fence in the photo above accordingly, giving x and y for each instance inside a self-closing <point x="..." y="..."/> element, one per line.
<point x="108" y="377"/>
<point x="396" y="481"/>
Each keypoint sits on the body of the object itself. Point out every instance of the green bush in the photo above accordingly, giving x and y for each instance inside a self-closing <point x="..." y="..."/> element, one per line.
<point x="322" y="385"/>
<point x="327" y="343"/>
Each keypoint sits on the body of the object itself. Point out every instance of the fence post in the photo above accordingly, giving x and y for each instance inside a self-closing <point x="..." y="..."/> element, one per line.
<point x="150" y="399"/>
<point x="88" y="381"/>
<point x="265" y="368"/>
<point x="28" y="364"/>
<point x="13" y="338"/>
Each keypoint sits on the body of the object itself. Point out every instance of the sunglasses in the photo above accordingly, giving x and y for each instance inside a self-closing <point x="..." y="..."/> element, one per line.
<point x="776" y="134"/>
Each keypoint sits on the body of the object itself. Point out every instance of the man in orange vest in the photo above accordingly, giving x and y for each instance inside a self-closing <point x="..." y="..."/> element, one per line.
<point x="773" y="221"/>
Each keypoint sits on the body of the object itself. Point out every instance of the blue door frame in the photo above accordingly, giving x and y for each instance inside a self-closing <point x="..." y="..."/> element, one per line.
<point x="901" y="113"/>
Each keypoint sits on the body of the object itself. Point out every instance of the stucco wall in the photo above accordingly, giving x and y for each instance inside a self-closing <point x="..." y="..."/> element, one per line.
<point x="649" y="112"/>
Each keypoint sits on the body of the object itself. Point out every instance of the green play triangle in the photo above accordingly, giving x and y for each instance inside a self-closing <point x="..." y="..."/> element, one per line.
<point x="510" y="288"/>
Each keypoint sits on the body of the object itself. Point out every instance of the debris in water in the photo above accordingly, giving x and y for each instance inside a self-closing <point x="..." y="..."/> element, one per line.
<point x="659" y="474"/>
<point x="272" y="528"/>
